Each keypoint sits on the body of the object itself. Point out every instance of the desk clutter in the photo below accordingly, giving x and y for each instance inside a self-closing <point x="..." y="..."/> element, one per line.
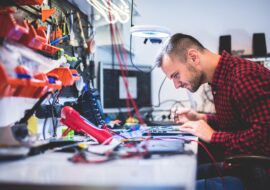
<point x="104" y="144"/>
<point x="71" y="118"/>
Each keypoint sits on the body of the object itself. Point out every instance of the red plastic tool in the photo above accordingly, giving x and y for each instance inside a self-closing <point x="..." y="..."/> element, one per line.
<point x="66" y="75"/>
<point x="75" y="121"/>
<point x="46" y="13"/>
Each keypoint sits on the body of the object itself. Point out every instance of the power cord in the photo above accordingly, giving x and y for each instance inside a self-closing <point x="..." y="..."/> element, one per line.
<point x="159" y="91"/>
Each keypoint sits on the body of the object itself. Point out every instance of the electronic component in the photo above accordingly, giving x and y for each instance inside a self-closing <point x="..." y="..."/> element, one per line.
<point x="90" y="107"/>
<point x="165" y="131"/>
<point x="164" y="146"/>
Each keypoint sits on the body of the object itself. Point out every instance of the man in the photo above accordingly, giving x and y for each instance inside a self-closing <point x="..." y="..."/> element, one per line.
<point x="241" y="91"/>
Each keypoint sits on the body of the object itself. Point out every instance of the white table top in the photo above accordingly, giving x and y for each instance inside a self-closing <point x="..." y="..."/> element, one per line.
<point x="54" y="169"/>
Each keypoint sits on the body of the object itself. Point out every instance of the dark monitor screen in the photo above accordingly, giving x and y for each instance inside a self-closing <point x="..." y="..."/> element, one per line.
<point x="112" y="89"/>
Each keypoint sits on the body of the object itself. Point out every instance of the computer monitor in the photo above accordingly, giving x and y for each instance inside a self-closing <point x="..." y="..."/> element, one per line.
<point x="112" y="89"/>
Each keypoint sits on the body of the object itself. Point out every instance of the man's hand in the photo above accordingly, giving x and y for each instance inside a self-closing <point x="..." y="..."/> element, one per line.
<point x="187" y="114"/>
<point x="198" y="128"/>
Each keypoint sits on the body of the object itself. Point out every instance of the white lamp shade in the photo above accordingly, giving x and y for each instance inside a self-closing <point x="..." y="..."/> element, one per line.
<point x="150" y="31"/>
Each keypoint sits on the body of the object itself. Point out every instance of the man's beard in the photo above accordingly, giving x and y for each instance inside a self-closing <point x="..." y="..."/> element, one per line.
<point x="197" y="78"/>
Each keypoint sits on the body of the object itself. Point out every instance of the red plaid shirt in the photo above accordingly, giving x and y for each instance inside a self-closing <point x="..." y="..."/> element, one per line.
<point x="241" y="91"/>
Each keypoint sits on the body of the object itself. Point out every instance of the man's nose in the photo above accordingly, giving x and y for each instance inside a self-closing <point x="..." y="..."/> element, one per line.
<point x="176" y="83"/>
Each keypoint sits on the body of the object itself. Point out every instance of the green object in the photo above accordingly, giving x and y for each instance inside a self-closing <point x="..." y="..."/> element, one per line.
<point x="60" y="52"/>
<point x="69" y="59"/>
<point x="74" y="59"/>
<point x="70" y="135"/>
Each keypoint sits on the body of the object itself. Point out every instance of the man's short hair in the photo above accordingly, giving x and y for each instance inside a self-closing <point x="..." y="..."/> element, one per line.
<point x="177" y="45"/>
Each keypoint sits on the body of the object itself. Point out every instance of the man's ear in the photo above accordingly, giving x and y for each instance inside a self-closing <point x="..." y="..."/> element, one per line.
<point x="193" y="55"/>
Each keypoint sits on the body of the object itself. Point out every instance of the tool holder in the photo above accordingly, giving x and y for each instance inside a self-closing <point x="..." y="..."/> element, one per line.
<point x="11" y="28"/>
<point x="66" y="75"/>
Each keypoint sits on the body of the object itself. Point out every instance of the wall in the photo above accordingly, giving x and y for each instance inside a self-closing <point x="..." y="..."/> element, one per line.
<point x="206" y="20"/>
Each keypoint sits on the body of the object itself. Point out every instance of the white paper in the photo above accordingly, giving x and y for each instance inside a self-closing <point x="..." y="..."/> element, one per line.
<point x="132" y="86"/>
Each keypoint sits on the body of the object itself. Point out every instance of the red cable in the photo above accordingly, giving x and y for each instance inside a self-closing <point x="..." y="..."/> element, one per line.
<point x="116" y="50"/>
<point x="214" y="162"/>
<point x="124" y="77"/>
<point x="128" y="100"/>
<point x="125" y="69"/>
<point x="123" y="74"/>
<point x="126" y="59"/>
<point x="121" y="70"/>
<point x="129" y="95"/>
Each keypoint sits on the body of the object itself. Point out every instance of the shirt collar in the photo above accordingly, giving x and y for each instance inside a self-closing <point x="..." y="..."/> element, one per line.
<point x="221" y="69"/>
